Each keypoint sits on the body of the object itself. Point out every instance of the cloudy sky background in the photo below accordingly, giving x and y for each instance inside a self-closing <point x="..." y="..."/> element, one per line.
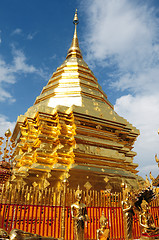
<point x="120" y="42"/>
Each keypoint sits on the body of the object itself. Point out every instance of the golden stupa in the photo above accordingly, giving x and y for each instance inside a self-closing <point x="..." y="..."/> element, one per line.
<point x="73" y="128"/>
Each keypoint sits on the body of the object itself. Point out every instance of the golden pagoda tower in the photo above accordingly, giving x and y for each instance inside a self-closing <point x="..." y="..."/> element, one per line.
<point x="73" y="127"/>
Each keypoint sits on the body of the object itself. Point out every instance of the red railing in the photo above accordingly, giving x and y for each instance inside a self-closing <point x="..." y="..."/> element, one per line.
<point x="46" y="220"/>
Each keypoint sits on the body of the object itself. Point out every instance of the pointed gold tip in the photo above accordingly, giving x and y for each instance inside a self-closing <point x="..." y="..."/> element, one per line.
<point x="74" y="50"/>
<point x="75" y="20"/>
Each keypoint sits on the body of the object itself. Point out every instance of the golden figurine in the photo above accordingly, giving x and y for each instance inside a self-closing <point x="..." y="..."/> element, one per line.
<point x="3" y="234"/>
<point x="79" y="214"/>
<point x="17" y="234"/>
<point x="103" y="233"/>
<point x="148" y="227"/>
<point x="128" y="213"/>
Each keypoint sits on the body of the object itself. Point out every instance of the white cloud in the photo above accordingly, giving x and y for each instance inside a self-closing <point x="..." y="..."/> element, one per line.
<point x="5" y="124"/>
<point x="144" y="107"/>
<point x="145" y="81"/>
<point x="31" y="35"/>
<point x="20" y="62"/>
<point x="17" y="31"/>
<point x="9" y="72"/>
<point x="54" y="56"/>
<point x="122" y="31"/>
<point x="124" y="35"/>
<point x="146" y="170"/>
<point x="143" y="112"/>
<point x="5" y="95"/>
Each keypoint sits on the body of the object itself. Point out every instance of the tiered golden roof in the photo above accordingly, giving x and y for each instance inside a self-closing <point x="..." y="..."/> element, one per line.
<point x="72" y="125"/>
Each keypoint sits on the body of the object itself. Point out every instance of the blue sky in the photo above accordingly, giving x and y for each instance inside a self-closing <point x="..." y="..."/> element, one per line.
<point x="119" y="41"/>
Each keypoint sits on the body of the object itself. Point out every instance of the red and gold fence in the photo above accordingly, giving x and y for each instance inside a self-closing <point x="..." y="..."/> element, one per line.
<point x="40" y="212"/>
<point x="46" y="220"/>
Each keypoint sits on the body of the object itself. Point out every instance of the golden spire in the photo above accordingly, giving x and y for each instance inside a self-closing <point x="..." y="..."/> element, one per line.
<point x="74" y="50"/>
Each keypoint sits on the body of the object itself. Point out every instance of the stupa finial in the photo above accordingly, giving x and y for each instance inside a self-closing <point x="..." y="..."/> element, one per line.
<point x="74" y="50"/>
<point x="75" y="20"/>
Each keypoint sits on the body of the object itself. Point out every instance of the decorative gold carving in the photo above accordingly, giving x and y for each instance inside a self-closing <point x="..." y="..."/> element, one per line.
<point x="13" y="177"/>
<point x="7" y="162"/>
<point x="45" y="183"/>
<point x="87" y="185"/>
<point x="106" y="179"/>
<point x="147" y="182"/>
<point x="8" y="133"/>
<point x="35" y="184"/>
<point x="156" y="158"/>
<point x="49" y="175"/>
<point x="151" y="177"/>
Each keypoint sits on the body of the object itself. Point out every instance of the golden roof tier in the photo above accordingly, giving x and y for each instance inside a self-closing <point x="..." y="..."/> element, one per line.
<point x="73" y="83"/>
<point x="73" y="127"/>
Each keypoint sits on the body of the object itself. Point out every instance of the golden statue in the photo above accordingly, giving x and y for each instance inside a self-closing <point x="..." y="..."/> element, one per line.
<point x="128" y="213"/>
<point x="17" y="234"/>
<point x="148" y="227"/>
<point x="79" y="214"/>
<point x="3" y="234"/>
<point x="103" y="232"/>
